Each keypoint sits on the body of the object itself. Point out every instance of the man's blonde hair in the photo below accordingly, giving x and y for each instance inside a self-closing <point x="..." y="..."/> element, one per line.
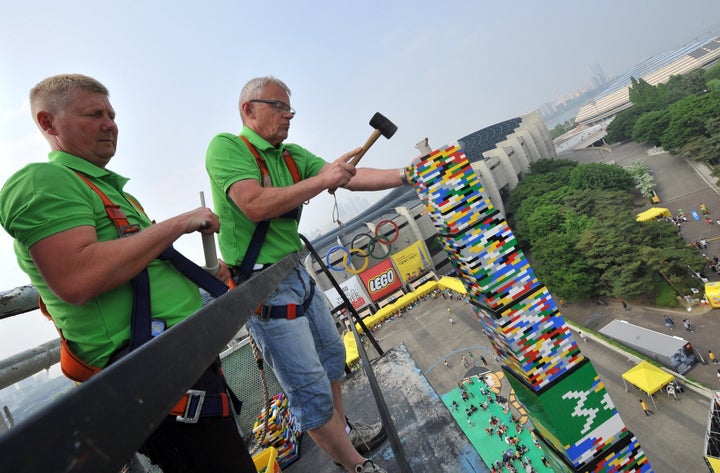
<point x="52" y="94"/>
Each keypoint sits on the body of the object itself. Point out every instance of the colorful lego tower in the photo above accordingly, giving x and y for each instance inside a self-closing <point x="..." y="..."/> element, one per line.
<point x="565" y="398"/>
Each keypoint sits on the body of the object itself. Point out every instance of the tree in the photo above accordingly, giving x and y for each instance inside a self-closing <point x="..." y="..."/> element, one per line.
<point x="650" y="127"/>
<point x="562" y="128"/>
<point x="562" y="267"/>
<point x="620" y="129"/>
<point x="712" y="73"/>
<point x="600" y="177"/>
<point x="586" y="244"/>
<point x="714" y="85"/>
<point x="689" y="118"/>
<point x="642" y="94"/>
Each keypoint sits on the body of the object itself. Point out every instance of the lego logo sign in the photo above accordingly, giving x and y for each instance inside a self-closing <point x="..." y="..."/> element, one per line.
<point x="381" y="280"/>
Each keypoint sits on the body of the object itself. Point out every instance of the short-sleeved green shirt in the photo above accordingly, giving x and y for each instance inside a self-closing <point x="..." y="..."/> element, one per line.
<point x="44" y="199"/>
<point x="229" y="160"/>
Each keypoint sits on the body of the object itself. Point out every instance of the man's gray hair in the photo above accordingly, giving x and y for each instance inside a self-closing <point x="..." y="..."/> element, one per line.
<point x="52" y="94"/>
<point x="253" y="90"/>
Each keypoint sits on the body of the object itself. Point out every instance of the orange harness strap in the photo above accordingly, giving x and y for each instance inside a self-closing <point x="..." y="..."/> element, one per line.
<point x="289" y="162"/>
<point x="194" y="403"/>
<point x="71" y="365"/>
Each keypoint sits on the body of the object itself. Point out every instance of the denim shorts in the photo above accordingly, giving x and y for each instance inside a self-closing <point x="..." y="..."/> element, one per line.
<point x="306" y="353"/>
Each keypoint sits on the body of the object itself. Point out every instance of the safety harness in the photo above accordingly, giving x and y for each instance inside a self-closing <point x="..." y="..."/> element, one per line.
<point x="243" y="272"/>
<point x="194" y="403"/>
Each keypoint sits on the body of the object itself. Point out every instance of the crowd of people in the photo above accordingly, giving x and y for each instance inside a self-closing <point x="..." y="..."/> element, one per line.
<point x="503" y="425"/>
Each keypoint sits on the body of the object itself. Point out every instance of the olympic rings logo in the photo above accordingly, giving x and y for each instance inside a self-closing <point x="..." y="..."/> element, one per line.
<point x="356" y="249"/>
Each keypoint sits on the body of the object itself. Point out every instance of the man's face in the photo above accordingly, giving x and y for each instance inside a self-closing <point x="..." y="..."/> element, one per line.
<point x="85" y="128"/>
<point x="265" y="119"/>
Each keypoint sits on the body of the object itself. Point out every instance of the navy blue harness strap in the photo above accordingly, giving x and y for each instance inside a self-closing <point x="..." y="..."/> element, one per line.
<point x="253" y="251"/>
<point x="290" y="311"/>
<point x="140" y="318"/>
<point x="195" y="273"/>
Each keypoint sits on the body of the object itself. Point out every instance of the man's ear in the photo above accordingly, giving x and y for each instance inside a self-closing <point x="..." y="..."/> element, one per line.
<point x="247" y="108"/>
<point x="45" y="121"/>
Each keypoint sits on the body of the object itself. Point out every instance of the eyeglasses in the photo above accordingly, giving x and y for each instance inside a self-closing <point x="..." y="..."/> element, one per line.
<point x="278" y="105"/>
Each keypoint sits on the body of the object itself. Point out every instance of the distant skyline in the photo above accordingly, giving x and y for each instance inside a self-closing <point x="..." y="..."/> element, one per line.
<point x="439" y="70"/>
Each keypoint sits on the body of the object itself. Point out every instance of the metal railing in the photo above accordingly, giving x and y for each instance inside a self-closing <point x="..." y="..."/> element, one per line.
<point x="99" y="426"/>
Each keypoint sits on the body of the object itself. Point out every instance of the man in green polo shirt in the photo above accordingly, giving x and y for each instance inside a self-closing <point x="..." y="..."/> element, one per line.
<point x="251" y="177"/>
<point x="71" y="250"/>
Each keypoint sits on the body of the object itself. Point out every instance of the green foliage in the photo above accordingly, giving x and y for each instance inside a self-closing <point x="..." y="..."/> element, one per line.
<point x="688" y="119"/>
<point x="547" y="165"/>
<point x="650" y="127"/>
<point x="712" y="74"/>
<point x="600" y="177"/>
<point x="665" y="296"/>
<point x="621" y="128"/>
<point x="642" y="94"/>
<point x="714" y="86"/>
<point x="680" y="86"/>
<point x="562" y="128"/>
<point x="646" y="119"/>
<point x="545" y="176"/>
<point x="587" y="244"/>
<point x="644" y="181"/>
<point x="561" y="266"/>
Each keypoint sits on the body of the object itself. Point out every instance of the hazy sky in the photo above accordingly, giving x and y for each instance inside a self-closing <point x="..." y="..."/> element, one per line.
<point x="436" y="69"/>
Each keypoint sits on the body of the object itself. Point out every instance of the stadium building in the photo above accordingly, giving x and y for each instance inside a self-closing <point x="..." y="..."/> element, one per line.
<point x="656" y="70"/>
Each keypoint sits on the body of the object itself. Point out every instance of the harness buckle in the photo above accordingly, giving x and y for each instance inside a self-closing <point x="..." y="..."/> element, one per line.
<point x="264" y="312"/>
<point x="195" y="400"/>
<point x="127" y="230"/>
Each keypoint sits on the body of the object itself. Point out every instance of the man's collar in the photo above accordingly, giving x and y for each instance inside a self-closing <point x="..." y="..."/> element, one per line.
<point x="82" y="165"/>
<point x="258" y="141"/>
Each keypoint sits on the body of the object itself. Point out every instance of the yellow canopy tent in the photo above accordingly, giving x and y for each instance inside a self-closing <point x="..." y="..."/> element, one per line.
<point x="653" y="213"/>
<point x="351" y="349"/>
<point x="454" y="284"/>
<point x="712" y="293"/>
<point x="647" y="377"/>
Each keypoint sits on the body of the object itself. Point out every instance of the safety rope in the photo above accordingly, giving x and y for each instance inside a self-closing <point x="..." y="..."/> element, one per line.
<point x="336" y="212"/>
<point x="266" y="396"/>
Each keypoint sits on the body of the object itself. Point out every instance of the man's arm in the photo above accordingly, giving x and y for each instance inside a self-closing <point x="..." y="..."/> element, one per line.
<point x="370" y="179"/>
<point x="77" y="267"/>
<point x="259" y="203"/>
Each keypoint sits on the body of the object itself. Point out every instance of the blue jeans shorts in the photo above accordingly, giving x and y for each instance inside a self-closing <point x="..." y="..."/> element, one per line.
<point x="306" y="353"/>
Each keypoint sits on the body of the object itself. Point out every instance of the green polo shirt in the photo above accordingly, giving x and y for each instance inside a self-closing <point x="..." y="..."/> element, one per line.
<point x="229" y="160"/>
<point x="43" y="199"/>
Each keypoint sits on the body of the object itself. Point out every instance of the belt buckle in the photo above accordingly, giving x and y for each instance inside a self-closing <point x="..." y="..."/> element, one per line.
<point x="264" y="314"/>
<point x="188" y="416"/>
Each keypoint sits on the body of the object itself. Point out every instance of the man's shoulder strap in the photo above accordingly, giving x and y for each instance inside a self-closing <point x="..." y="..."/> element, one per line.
<point x="114" y="212"/>
<point x="287" y="157"/>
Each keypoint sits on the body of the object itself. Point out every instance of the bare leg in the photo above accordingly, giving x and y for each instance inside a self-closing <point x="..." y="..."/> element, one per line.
<point x="332" y="438"/>
<point x="337" y="398"/>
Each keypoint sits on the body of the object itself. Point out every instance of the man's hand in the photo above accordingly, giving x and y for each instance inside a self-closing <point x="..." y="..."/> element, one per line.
<point x="339" y="172"/>
<point x="201" y="220"/>
<point x="223" y="272"/>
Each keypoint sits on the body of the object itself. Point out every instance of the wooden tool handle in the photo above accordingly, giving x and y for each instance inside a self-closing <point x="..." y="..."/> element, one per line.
<point x="370" y="141"/>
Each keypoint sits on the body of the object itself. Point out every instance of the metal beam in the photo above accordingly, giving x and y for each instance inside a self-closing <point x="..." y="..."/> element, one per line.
<point x="27" y="363"/>
<point x="100" y="425"/>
